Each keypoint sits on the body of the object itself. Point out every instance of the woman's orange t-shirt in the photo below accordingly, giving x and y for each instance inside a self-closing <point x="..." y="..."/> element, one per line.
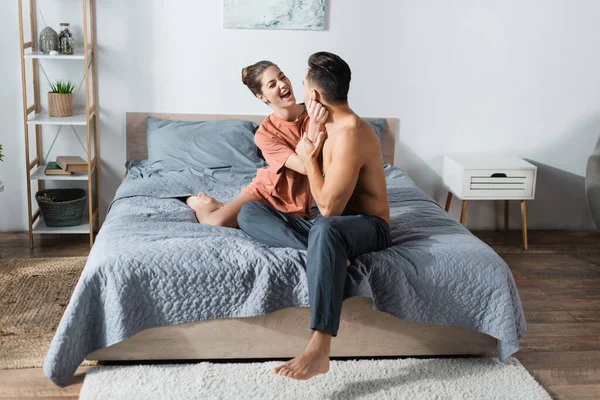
<point x="282" y="188"/>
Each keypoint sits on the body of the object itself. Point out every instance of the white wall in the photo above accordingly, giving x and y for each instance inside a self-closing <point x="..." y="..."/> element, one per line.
<point x="462" y="76"/>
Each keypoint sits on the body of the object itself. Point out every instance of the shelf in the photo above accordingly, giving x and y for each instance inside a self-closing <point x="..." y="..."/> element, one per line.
<point x="84" y="120"/>
<point x="44" y="119"/>
<point x="79" y="55"/>
<point x="40" y="228"/>
<point x="38" y="174"/>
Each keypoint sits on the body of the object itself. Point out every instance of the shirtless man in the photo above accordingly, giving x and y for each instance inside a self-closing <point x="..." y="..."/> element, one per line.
<point x="350" y="191"/>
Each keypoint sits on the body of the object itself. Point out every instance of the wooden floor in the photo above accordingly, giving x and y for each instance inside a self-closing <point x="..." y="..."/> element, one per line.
<point x="559" y="284"/>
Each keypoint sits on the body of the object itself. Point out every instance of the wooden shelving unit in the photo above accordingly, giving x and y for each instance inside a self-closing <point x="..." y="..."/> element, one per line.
<point x="78" y="55"/>
<point x="35" y="119"/>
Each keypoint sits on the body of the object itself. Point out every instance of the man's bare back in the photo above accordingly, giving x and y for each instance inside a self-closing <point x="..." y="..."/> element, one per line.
<point x="353" y="144"/>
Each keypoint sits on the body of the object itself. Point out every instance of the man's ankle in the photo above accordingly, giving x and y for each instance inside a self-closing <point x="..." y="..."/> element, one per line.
<point x="321" y="341"/>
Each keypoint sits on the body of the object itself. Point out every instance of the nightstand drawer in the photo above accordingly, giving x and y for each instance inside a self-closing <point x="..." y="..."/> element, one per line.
<point x="498" y="183"/>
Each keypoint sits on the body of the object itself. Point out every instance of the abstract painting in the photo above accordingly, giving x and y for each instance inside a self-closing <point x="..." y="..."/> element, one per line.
<point x="274" y="14"/>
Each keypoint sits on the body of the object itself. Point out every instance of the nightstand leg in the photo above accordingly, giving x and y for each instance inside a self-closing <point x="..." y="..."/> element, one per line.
<point x="524" y="222"/>
<point x="463" y="214"/>
<point x="505" y="216"/>
<point x="448" y="201"/>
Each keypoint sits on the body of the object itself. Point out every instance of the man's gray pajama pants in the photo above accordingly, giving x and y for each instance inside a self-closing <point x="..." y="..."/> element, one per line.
<point x="330" y="242"/>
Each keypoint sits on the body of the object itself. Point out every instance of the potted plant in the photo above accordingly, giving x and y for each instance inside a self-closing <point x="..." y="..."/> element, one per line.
<point x="60" y="99"/>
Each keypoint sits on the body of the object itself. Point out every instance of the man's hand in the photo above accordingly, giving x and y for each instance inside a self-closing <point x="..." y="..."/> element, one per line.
<point x="308" y="150"/>
<point x="318" y="115"/>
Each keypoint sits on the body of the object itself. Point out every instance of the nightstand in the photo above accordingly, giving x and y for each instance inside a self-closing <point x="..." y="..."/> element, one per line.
<point x="484" y="177"/>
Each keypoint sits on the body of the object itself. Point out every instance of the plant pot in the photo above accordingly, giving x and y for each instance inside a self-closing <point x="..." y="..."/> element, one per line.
<point x="60" y="104"/>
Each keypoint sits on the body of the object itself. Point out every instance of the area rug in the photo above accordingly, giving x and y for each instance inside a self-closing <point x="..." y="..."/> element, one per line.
<point x="33" y="295"/>
<point x="441" y="378"/>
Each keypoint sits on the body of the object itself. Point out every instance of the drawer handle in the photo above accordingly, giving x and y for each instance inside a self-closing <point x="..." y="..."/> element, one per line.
<point x="499" y="175"/>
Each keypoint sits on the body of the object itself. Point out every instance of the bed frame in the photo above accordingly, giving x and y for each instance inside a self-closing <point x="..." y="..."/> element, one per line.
<point x="284" y="333"/>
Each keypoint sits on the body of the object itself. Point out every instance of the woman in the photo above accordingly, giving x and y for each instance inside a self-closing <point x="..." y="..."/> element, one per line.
<point x="283" y="184"/>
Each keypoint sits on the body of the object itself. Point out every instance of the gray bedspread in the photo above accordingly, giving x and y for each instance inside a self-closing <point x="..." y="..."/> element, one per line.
<point x="153" y="265"/>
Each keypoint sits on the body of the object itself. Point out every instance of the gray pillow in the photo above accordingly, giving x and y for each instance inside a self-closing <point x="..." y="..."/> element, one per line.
<point x="378" y="126"/>
<point x="178" y="145"/>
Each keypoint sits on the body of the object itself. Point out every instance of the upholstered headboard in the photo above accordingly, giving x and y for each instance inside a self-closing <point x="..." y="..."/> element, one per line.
<point x="136" y="131"/>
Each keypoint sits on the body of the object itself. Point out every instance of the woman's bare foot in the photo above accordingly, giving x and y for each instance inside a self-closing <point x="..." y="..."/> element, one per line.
<point x="203" y="205"/>
<point x="206" y="199"/>
<point x="312" y="362"/>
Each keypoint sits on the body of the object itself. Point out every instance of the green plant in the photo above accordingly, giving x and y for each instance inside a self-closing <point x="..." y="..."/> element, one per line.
<point x="62" y="87"/>
<point x="1" y="155"/>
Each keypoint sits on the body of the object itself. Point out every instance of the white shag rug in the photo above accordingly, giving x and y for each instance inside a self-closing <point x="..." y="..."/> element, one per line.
<point x="441" y="378"/>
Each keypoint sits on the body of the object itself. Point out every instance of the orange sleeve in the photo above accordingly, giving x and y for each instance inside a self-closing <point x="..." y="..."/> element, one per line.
<point x="274" y="150"/>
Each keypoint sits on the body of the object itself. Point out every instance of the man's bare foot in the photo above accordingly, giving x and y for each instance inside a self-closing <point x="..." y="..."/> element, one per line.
<point x="203" y="205"/>
<point x="305" y="366"/>
<point x="312" y="362"/>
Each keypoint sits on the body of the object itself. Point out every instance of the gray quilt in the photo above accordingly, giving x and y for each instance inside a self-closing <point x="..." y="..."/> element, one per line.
<point x="152" y="265"/>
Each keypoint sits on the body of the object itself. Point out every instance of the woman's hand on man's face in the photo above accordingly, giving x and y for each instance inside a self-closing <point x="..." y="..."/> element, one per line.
<point x="318" y="113"/>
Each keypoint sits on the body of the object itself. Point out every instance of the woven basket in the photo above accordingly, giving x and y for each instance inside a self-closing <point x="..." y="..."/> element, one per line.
<point x="60" y="104"/>
<point x="66" y="208"/>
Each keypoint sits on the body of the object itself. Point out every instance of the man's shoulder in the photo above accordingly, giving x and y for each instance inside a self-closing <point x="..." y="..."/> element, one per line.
<point x="352" y="130"/>
<point x="346" y="139"/>
<point x="357" y="136"/>
<point x="362" y="129"/>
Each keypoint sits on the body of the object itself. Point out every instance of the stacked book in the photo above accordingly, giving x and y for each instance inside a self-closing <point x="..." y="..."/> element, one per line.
<point x="66" y="165"/>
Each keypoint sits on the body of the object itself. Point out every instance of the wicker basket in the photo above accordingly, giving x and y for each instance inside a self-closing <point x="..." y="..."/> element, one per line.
<point x="65" y="209"/>
<point x="60" y="104"/>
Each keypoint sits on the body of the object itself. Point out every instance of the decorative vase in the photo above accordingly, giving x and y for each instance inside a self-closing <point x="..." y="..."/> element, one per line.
<point x="48" y="40"/>
<point x="60" y="104"/>
<point x="65" y="39"/>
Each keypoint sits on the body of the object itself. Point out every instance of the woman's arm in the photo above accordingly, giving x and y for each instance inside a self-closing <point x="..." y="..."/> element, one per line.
<point x="277" y="153"/>
<point x="318" y="116"/>
<point x="294" y="162"/>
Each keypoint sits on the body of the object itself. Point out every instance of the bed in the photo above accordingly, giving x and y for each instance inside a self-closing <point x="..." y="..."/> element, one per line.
<point x="158" y="286"/>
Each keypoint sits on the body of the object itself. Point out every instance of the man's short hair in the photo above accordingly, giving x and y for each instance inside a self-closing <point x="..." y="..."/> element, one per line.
<point x="331" y="75"/>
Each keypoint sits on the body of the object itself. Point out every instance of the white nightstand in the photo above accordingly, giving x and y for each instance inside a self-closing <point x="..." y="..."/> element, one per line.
<point x="486" y="177"/>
